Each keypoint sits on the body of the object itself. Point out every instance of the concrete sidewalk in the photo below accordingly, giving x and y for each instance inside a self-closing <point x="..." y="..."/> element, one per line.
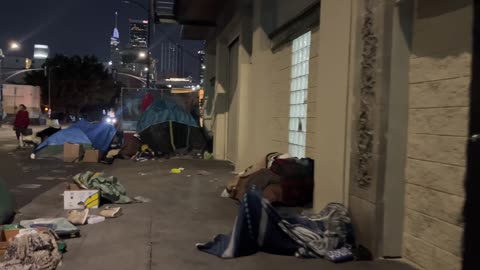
<point x="185" y="209"/>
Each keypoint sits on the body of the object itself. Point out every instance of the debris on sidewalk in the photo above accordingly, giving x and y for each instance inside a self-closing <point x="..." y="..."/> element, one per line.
<point x="76" y="198"/>
<point x="177" y="170"/>
<point x="113" y="153"/>
<point x="203" y="173"/>
<point x="32" y="251"/>
<point x="111" y="212"/>
<point x="94" y="219"/>
<point x="78" y="217"/>
<point x="142" y="199"/>
<point x="109" y="186"/>
<point x="61" y="226"/>
<point x="208" y="156"/>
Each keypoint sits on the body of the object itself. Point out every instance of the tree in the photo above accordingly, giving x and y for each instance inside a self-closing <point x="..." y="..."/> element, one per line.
<point x="75" y="82"/>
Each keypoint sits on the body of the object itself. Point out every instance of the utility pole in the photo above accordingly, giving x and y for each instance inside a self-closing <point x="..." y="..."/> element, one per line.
<point x="149" y="39"/>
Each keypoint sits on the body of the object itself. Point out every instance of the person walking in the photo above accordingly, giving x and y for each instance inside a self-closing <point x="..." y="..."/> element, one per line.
<point x="22" y="121"/>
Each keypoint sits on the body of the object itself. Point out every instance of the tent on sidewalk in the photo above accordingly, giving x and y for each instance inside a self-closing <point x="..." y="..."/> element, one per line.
<point x="166" y="127"/>
<point x="88" y="134"/>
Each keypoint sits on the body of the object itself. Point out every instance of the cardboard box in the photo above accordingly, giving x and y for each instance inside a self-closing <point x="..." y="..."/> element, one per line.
<point x="79" y="199"/>
<point x="3" y="245"/>
<point x="72" y="152"/>
<point x="91" y="156"/>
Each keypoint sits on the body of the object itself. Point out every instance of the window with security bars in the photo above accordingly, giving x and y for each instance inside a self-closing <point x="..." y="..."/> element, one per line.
<point x="297" y="137"/>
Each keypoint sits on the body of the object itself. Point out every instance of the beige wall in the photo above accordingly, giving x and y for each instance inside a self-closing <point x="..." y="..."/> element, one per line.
<point x="264" y="91"/>
<point x="437" y="130"/>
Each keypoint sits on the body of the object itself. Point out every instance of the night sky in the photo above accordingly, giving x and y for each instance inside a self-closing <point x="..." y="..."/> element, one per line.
<point x="79" y="27"/>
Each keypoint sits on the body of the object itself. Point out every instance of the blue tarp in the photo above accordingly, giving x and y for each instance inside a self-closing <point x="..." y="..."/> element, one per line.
<point x="98" y="135"/>
<point x="101" y="135"/>
<point x="162" y="111"/>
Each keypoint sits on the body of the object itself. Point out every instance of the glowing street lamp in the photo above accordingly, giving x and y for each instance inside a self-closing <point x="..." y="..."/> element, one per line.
<point x="14" y="46"/>
<point x="142" y="55"/>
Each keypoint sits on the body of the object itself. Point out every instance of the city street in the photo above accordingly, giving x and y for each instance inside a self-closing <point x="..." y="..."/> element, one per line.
<point x="28" y="178"/>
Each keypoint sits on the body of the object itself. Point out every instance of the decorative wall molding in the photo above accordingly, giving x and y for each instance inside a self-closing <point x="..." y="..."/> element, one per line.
<point x="368" y="82"/>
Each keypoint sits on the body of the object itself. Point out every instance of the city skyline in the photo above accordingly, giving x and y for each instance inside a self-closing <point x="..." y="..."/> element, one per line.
<point x="71" y="28"/>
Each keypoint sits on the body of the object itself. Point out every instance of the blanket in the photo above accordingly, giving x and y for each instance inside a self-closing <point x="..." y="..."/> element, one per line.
<point x="260" y="227"/>
<point x="34" y="251"/>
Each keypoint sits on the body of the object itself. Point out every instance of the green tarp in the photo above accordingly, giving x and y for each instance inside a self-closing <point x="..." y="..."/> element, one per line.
<point x="109" y="186"/>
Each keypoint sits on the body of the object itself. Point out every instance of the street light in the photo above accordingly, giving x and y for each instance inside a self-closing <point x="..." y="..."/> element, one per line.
<point x="142" y="55"/>
<point x="14" y="46"/>
<point x="48" y="72"/>
<point x="149" y="34"/>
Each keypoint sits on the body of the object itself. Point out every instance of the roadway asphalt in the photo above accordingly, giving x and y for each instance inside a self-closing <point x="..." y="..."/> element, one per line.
<point x="26" y="178"/>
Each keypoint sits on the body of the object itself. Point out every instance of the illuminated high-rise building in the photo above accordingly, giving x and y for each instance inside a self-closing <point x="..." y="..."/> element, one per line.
<point x="138" y="33"/>
<point x="114" y="45"/>
<point x="40" y="51"/>
<point x="171" y="59"/>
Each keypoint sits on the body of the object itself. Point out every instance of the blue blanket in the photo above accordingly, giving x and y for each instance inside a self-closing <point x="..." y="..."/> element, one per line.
<point x="260" y="227"/>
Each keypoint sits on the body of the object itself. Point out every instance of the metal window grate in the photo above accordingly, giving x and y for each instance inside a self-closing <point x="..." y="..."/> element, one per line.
<point x="297" y="137"/>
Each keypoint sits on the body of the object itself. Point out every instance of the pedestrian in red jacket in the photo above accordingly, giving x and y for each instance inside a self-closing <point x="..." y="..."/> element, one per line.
<point x="22" y="120"/>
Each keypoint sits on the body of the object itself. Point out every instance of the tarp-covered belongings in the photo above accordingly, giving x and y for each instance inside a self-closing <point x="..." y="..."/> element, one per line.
<point x="166" y="127"/>
<point x="32" y="251"/>
<point x="98" y="136"/>
<point x="109" y="186"/>
<point x="293" y="175"/>
<point x="260" y="227"/>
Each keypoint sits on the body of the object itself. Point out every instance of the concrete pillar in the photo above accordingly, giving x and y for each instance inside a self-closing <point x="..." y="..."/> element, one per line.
<point x="331" y="157"/>
<point x="221" y="102"/>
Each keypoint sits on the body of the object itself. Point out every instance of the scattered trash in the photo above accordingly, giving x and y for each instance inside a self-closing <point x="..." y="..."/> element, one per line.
<point x="63" y="228"/>
<point x="58" y="171"/>
<point x="144" y="174"/>
<point x="76" y="198"/>
<point x="177" y="170"/>
<point x="62" y="247"/>
<point x="213" y="180"/>
<point x="113" y="153"/>
<point x="188" y="175"/>
<point x="46" y="178"/>
<point x="77" y="217"/>
<point x="225" y="194"/>
<point x="208" y="156"/>
<point x="203" y="173"/>
<point x="111" y="212"/>
<point x="93" y="219"/>
<point x="29" y="186"/>
<point x="142" y="199"/>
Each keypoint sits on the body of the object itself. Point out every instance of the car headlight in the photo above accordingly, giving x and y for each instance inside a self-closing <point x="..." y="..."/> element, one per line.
<point x="109" y="120"/>
<point x="114" y="120"/>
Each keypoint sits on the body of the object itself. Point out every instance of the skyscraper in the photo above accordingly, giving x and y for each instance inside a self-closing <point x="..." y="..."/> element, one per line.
<point x="171" y="60"/>
<point x="201" y="58"/>
<point x="40" y="51"/>
<point x="138" y="33"/>
<point x="114" y="45"/>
